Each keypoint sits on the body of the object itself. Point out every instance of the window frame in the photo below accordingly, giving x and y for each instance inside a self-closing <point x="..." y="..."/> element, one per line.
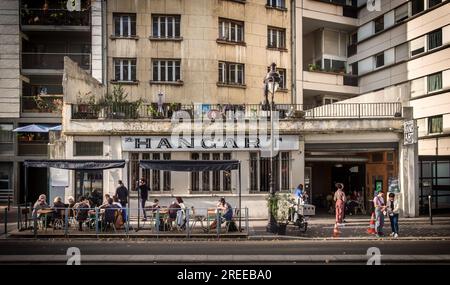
<point x="439" y="74"/>
<point x="131" y="23"/>
<point x="280" y="37"/>
<point x="175" y="65"/>
<point x="175" y="23"/>
<point x="197" y="179"/>
<point x="88" y="145"/>
<point x="225" y="28"/>
<point x="376" y="57"/>
<point x="131" y="71"/>
<point x="431" y="129"/>
<point x="437" y="31"/>
<point x="230" y="68"/>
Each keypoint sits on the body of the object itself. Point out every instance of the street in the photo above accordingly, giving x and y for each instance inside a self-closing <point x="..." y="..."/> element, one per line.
<point x="225" y="251"/>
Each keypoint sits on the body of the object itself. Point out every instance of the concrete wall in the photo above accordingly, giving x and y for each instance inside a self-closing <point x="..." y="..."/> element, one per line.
<point x="199" y="52"/>
<point x="10" y="84"/>
<point x="97" y="40"/>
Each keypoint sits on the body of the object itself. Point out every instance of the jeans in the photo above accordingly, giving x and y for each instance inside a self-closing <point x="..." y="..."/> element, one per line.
<point x="379" y="224"/>
<point x="143" y="208"/>
<point x="394" y="223"/>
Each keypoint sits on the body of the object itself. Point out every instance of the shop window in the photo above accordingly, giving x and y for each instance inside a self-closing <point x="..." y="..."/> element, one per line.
<point x="211" y="180"/>
<point x="156" y="175"/>
<point x="390" y="156"/>
<point x="89" y="184"/>
<point x="259" y="167"/>
<point x="167" y="183"/>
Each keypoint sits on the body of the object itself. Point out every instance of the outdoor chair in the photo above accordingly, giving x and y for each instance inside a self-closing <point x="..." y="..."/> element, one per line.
<point x="194" y="218"/>
<point x="110" y="218"/>
<point x="59" y="219"/>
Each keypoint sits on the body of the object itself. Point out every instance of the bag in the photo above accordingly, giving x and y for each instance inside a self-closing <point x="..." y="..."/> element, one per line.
<point x="119" y="221"/>
<point x="232" y="227"/>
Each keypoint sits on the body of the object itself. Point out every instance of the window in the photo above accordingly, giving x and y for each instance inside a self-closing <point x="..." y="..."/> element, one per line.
<point x="276" y="38"/>
<point x="276" y="4"/>
<point x="327" y="101"/>
<point x="432" y="3"/>
<point x="231" y="73"/>
<point x="231" y="31"/>
<point x="401" y="13"/>
<point x="166" y="70"/>
<point x="435" y="39"/>
<point x="207" y="181"/>
<point x="282" y="72"/>
<point x="125" y="69"/>
<point x="156" y="175"/>
<point x="259" y="169"/>
<point x="88" y="149"/>
<point x="434" y="82"/>
<point x="166" y="175"/>
<point x="124" y="25"/>
<point x="379" y="60"/>
<point x="6" y="134"/>
<point x="435" y="125"/>
<point x="379" y="24"/>
<point x="166" y="27"/>
<point x="417" y="46"/>
<point x="417" y="7"/>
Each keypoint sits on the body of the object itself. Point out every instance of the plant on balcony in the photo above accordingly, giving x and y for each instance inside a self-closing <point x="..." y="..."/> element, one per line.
<point x="313" y="67"/>
<point x="48" y="105"/>
<point x="118" y="106"/>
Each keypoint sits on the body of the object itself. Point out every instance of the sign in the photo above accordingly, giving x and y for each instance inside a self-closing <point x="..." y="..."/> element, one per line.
<point x="378" y="185"/>
<point x="393" y="185"/>
<point x="73" y="5"/>
<point x="410" y="132"/>
<point x="59" y="177"/>
<point x="203" y="143"/>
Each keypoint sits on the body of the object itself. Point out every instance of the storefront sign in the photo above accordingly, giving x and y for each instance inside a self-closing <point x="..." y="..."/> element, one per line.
<point x="410" y="131"/>
<point x="198" y="143"/>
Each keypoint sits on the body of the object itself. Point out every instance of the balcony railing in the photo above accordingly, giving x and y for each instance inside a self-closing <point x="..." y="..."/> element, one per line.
<point x="350" y="80"/>
<point x="32" y="60"/>
<point x="42" y="104"/>
<point x="33" y="148"/>
<point x="126" y="111"/>
<point x="55" y="17"/>
<point x="6" y="148"/>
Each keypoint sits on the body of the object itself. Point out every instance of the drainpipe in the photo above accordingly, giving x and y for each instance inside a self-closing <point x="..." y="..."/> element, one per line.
<point x="293" y="54"/>
<point x="104" y="44"/>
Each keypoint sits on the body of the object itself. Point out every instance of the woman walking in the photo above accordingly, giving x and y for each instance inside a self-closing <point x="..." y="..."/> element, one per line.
<point x="339" y="198"/>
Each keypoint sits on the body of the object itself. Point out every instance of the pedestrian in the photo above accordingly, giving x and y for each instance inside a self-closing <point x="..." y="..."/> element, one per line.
<point x="143" y="189"/>
<point x="392" y="210"/>
<point x="380" y="209"/>
<point x="122" y="194"/>
<point x="339" y="199"/>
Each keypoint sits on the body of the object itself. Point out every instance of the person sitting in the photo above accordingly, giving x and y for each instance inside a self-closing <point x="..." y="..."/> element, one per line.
<point x="40" y="204"/>
<point x="226" y="211"/>
<point x="105" y="202"/>
<point x="82" y="211"/>
<point x="116" y="201"/>
<point x="173" y="210"/>
<point x="70" y="205"/>
<point x="58" y="207"/>
<point x="110" y="213"/>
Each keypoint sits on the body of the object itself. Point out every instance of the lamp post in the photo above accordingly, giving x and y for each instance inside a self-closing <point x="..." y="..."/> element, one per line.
<point x="271" y="84"/>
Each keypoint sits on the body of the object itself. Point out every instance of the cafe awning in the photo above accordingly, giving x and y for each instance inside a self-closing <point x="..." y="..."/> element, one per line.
<point x="76" y="164"/>
<point x="189" y="165"/>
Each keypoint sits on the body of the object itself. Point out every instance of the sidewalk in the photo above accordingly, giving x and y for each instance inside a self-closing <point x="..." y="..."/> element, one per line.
<point x="355" y="228"/>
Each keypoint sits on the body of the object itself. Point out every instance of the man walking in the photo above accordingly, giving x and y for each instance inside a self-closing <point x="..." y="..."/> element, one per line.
<point x="143" y="188"/>
<point x="122" y="194"/>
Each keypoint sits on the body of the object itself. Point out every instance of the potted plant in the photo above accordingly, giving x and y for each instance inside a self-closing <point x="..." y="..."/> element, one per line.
<point x="279" y="205"/>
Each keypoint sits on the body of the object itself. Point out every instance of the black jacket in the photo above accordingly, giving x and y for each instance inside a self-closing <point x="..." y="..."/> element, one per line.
<point x="144" y="191"/>
<point x="122" y="194"/>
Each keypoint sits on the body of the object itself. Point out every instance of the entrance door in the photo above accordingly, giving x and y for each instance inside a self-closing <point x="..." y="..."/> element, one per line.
<point x="376" y="178"/>
<point x="37" y="183"/>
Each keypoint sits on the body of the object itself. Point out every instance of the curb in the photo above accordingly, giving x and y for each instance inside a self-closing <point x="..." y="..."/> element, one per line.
<point x="277" y="237"/>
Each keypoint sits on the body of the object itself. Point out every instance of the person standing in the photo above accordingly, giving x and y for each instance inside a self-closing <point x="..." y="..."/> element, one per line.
<point x="339" y="199"/>
<point x="122" y="194"/>
<point x="380" y="208"/>
<point x="143" y="189"/>
<point x="392" y="210"/>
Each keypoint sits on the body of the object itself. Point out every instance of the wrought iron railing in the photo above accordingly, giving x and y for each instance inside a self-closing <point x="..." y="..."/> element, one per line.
<point x="234" y="111"/>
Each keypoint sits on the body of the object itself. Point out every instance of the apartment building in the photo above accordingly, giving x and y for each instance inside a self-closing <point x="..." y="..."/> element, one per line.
<point x="35" y="37"/>
<point x="403" y="55"/>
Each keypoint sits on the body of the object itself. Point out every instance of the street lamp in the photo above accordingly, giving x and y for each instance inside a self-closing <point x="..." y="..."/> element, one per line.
<point x="271" y="84"/>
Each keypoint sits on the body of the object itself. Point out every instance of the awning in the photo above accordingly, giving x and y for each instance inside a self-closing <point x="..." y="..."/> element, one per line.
<point x="189" y="165"/>
<point x="76" y="164"/>
<point x="34" y="128"/>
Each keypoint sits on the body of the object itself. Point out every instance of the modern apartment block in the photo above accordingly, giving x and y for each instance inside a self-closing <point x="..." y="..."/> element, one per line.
<point x="36" y="35"/>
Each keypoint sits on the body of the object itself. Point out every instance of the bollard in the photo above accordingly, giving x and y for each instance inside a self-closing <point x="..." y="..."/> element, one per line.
<point x="9" y="203"/>
<point x="429" y="209"/>
<point x="6" y="223"/>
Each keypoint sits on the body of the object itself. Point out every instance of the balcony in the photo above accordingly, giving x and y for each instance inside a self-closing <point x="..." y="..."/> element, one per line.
<point x="233" y="112"/>
<point x="330" y="82"/>
<point x="52" y="63"/>
<point x="48" y="104"/>
<point x="33" y="148"/>
<point x="33" y="19"/>
<point x="6" y="148"/>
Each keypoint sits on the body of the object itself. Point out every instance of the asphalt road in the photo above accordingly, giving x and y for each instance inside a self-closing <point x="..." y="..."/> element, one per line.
<point x="213" y="247"/>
